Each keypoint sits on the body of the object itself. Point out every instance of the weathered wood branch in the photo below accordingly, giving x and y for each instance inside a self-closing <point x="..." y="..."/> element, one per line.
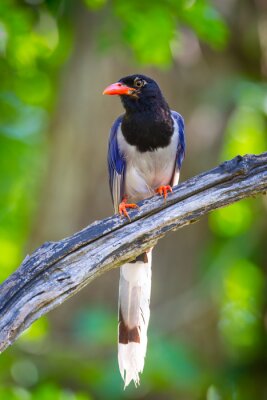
<point x="57" y="270"/>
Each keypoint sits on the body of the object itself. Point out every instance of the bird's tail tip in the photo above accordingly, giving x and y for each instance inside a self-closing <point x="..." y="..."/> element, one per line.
<point x="131" y="363"/>
<point x="134" y="298"/>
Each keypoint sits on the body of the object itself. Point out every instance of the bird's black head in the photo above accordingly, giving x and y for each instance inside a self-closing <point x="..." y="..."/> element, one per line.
<point x="147" y="123"/>
<point x="137" y="92"/>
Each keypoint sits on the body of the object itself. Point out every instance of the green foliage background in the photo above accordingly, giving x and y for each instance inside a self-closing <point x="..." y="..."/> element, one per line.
<point x="36" y="38"/>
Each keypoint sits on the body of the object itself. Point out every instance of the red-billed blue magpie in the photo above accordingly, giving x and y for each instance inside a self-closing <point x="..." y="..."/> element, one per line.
<point x="145" y="154"/>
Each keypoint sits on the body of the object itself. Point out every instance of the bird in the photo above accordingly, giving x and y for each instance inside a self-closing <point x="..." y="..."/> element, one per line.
<point x="145" y="153"/>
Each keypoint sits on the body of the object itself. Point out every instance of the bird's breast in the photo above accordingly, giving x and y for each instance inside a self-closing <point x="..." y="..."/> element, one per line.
<point x="146" y="171"/>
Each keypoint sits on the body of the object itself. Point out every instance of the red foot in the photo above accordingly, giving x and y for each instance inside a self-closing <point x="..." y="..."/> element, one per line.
<point x="163" y="190"/>
<point x="123" y="207"/>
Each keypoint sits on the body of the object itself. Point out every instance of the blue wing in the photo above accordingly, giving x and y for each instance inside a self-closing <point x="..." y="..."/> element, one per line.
<point x="116" y="165"/>
<point x="180" y="153"/>
<point x="181" y="142"/>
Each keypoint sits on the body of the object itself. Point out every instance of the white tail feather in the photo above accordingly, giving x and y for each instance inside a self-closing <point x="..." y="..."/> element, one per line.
<point x="134" y="299"/>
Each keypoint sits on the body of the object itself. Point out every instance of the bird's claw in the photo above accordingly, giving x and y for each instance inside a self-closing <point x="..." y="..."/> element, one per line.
<point x="163" y="190"/>
<point x="123" y="208"/>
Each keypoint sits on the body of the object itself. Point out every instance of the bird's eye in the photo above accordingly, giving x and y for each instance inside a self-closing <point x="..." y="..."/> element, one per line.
<point x="139" y="83"/>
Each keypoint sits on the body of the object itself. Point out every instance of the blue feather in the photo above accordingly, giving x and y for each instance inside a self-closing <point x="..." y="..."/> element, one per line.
<point x="181" y="142"/>
<point x="116" y="161"/>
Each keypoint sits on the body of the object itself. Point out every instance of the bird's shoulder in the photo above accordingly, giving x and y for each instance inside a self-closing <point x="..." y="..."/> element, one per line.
<point x="115" y="127"/>
<point x="178" y="118"/>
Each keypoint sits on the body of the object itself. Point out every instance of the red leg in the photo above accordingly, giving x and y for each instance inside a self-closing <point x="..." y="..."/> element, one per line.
<point x="163" y="190"/>
<point x="124" y="205"/>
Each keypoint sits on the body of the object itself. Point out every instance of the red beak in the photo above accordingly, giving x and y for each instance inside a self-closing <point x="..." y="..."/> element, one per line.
<point x="118" y="88"/>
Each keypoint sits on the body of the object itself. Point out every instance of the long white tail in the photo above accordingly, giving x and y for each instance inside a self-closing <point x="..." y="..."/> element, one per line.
<point x="134" y="299"/>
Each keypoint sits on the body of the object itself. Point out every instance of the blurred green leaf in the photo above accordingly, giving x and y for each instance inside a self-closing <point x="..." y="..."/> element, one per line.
<point x="213" y="393"/>
<point x="232" y="220"/>
<point x="24" y="372"/>
<point x="172" y="364"/>
<point x="242" y="302"/>
<point x="142" y="21"/>
<point x="51" y="391"/>
<point x="36" y="332"/>
<point x="96" y="326"/>
<point x="246" y="133"/>
<point x="205" y="20"/>
<point x="95" y="4"/>
<point x="141" y="24"/>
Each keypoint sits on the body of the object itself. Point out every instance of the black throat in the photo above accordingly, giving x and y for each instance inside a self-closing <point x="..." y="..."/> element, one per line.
<point x="147" y="123"/>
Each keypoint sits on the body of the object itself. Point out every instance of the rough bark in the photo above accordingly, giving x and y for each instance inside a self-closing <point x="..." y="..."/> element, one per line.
<point x="57" y="270"/>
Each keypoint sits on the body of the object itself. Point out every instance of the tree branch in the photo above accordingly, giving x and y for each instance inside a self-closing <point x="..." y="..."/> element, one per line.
<point x="57" y="270"/>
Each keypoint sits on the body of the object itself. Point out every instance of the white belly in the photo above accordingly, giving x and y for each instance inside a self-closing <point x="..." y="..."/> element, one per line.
<point x="145" y="172"/>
